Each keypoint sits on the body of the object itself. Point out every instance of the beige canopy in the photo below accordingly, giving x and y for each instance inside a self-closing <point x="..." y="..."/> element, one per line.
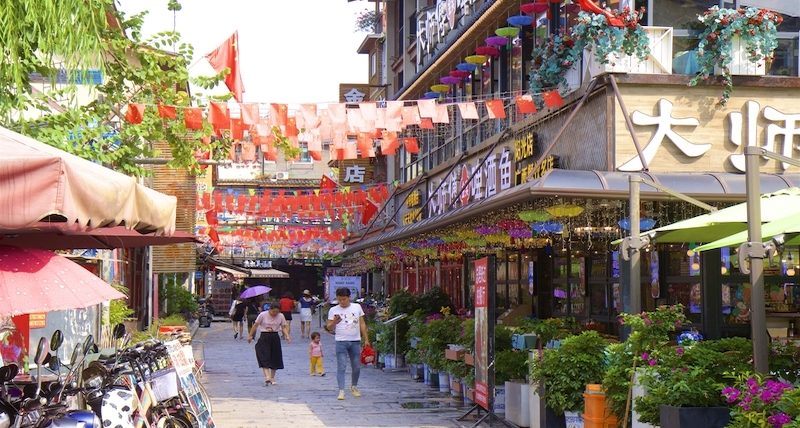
<point x="39" y="182"/>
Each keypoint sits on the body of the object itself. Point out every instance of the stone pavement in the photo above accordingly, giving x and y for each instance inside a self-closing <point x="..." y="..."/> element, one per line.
<point x="240" y="399"/>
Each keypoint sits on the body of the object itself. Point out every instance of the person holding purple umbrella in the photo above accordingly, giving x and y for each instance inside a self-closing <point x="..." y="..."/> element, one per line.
<point x="268" y="348"/>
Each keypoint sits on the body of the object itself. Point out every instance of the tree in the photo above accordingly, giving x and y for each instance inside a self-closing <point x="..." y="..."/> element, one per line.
<point x="72" y="36"/>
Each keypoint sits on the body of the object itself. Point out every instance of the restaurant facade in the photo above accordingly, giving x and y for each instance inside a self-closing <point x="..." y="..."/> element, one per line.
<point x="547" y="193"/>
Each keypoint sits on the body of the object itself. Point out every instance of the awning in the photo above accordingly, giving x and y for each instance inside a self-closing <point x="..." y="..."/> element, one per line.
<point x="60" y="236"/>
<point x="789" y="226"/>
<point x="254" y="273"/>
<point x="590" y="184"/>
<point x="39" y="182"/>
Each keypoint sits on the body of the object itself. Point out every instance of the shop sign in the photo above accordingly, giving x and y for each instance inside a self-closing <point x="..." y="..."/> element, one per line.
<point x="413" y="213"/>
<point x="457" y="190"/>
<point x="37" y="320"/>
<point x="434" y="24"/>
<point x="355" y="174"/>
<point x="676" y="135"/>
<point x="257" y="264"/>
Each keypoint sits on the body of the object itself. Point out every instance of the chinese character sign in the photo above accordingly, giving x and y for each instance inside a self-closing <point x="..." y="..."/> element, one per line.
<point x="355" y="174"/>
<point x="482" y="329"/>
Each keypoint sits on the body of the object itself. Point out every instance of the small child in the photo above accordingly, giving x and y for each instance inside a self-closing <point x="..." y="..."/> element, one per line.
<point x="315" y="355"/>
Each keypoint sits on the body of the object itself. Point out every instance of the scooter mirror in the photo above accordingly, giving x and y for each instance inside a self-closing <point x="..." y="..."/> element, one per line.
<point x="9" y="372"/>
<point x="75" y="352"/>
<point x="87" y="344"/>
<point x="56" y="340"/>
<point x="42" y="356"/>
<point x="119" y="331"/>
<point x="54" y="363"/>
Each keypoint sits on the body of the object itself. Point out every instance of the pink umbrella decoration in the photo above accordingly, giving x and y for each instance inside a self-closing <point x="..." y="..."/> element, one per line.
<point x="450" y="80"/>
<point x="488" y="51"/>
<point x="34" y="280"/>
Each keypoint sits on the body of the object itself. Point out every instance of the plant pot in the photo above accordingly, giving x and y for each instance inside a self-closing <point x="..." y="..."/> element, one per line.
<point x="638" y="391"/>
<point x="426" y="374"/>
<point x="465" y="391"/>
<point x="414" y="342"/>
<point x="469" y="359"/>
<point x="534" y="406"/>
<point x="420" y="372"/>
<point x="596" y="411"/>
<point x="455" y="387"/>
<point x="516" y="403"/>
<point x="658" y="62"/>
<point x="399" y="361"/>
<point x="413" y="371"/>
<point x="444" y="382"/>
<point x="470" y="395"/>
<point x="434" y="379"/>
<point x="500" y="400"/>
<point x="388" y="359"/>
<point x="551" y="419"/>
<point x="694" y="417"/>
<point x="573" y="420"/>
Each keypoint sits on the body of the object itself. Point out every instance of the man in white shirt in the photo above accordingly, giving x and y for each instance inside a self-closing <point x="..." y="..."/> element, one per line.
<point x="350" y="329"/>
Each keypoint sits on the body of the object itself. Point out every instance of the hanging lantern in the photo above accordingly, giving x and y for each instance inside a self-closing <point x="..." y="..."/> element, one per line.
<point x="476" y="59"/>
<point x="508" y="32"/>
<point x="496" y="41"/>
<point x="520" y="20"/>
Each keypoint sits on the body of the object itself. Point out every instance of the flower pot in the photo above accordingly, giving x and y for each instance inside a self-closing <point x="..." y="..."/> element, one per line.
<point x="500" y="400"/>
<point x="413" y="371"/>
<point x="551" y="419"/>
<point x="434" y="379"/>
<point x="694" y="417"/>
<point x="455" y="387"/>
<point x="573" y="420"/>
<point x="399" y="361"/>
<point x="740" y="61"/>
<point x="534" y="406"/>
<point x="658" y="62"/>
<point x="389" y="360"/>
<point x="465" y="392"/>
<point x="638" y="391"/>
<point x="414" y="342"/>
<point x="516" y="403"/>
<point x="454" y="354"/>
<point x="420" y="372"/>
<point x="426" y="374"/>
<point x="444" y="382"/>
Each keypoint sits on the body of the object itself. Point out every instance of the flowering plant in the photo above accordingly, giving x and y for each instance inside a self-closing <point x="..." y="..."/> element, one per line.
<point x="759" y="402"/>
<point x="756" y="27"/>
<point x="367" y="21"/>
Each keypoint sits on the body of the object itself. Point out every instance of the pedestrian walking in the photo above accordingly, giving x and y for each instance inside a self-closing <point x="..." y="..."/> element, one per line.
<point x="236" y="313"/>
<point x="315" y="355"/>
<point x="268" y="348"/>
<point x="350" y="328"/>
<point x="287" y="305"/>
<point x="306" y="305"/>
<point x="251" y="311"/>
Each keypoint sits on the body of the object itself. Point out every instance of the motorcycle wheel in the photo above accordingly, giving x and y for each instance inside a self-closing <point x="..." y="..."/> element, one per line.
<point x="179" y="420"/>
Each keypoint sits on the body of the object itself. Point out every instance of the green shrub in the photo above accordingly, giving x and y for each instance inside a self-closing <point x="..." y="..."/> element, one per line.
<point x="509" y="364"/>
<point x="178" y="299"/>
<point x="118" y="309"/>
<point x="432" y="301"/>
<point x="502" y="338"/>
<point x="403" y="302"/>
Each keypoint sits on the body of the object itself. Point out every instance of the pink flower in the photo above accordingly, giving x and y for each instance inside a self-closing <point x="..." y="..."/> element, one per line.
<point x="679" y="350"/>
<point x="652" y="362"/>
<point x="779" y="419"/>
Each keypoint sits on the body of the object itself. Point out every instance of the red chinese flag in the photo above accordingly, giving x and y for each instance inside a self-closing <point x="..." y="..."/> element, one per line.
<point x="426" y="123"/>
<point x="213" y="235"/>
<point x="206" y="200"/>
<point x="135" y="113"/>
<point x="411" y="144"/>
<point x="315" y="154"/>
<point x="211" y="217"/>
<point x="553" y="99"/>
<point x="237" y="129"/>
<point x="218" y="201"/>
<point x="291" y="127"/>
<point x="364" y="144"/>
<point x="495" y="109"/>
<point x="193" y="118"/>
<point x="218" y="116"/>
<point x="229" y="202"/>
<point x="227" y="56"/>
<point x="370" y="209"/>
<point x="389" y="143"/>
<point x="250" y="115"/>
<point x="525" y="104"/>
<point x="350" y="151"/>
<point x="248" y="151"/>
<point x="167" y="112"/>
<point x="278" y="114"/>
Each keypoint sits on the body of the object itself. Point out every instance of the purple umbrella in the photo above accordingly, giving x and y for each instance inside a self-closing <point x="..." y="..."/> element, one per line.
<point x="254" y="291"/>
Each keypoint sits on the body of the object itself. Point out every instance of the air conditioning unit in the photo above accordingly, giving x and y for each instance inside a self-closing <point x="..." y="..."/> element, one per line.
<point x="282" y="175"/>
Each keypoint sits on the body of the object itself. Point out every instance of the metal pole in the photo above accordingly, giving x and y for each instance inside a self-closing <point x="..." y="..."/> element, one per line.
<point x="758" y="321"/>
<point x="635" y="286"/>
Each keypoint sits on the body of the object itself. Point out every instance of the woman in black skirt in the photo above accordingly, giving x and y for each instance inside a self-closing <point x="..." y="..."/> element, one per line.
<point x="268" y="347"/>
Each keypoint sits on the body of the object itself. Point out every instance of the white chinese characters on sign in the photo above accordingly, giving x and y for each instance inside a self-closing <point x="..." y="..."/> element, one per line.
<point x="354" y="174"/>
<point x="435" y="24"/>
<point x="505" y="169"/>
<point x="788" y="130"/>
<point x="664" y="123"/>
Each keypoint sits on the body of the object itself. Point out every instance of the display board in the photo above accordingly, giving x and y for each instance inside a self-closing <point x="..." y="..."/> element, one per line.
<point x="337" y="282"/>
<point x="484" y="332"/>
<point x="183" y="362"/>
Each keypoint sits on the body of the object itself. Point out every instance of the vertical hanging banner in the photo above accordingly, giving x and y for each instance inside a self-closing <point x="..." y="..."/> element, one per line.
<point x="484" y="333"/>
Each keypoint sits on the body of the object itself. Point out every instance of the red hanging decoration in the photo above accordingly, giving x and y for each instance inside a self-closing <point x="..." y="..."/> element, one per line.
<point x="135" y="113"/>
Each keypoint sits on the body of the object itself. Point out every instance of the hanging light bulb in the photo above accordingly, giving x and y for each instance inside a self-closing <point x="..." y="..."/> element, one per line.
<point x="790" y="272"/>
<point x="723" y="270"/>
<point x="695" y="266"/>
<point x="690" y="253"/>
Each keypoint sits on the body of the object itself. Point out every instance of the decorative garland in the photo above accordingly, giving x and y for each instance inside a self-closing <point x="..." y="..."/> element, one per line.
<point x="756" y="27"/>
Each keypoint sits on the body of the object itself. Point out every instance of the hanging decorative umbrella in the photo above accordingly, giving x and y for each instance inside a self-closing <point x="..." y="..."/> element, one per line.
<point x="450" y="80"/>
<point x="460" y="74"/>
<point x="508" y="32"/>
<point x="254" y="291"/>
<point x="34" y="280"/>
<point x="488" y="51"/>
<point x="487" y="230"/>
<point x="537" y="7"/>
<point x="520" y="20"/>
<point x="534" y="215"/>
<point x="645" y="223"/>
<point x="565" y="210"/>
<point x="430" y="95"/>
<point x="466" y="66"/>
<point x="496" y="41"/>
<point x="520" y="233"/>
<point x="440" y="88"/>
<point x="510" y="224"/>
<point x="547" y="227"/>
<point x="476" y="59"/>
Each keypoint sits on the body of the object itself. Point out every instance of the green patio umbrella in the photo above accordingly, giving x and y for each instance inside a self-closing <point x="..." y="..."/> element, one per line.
<point x="727" y="221"/>
<point x="789" y="226"/>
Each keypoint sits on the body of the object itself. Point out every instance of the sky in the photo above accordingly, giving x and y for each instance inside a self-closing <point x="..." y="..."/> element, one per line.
<point x="294" y="51"/>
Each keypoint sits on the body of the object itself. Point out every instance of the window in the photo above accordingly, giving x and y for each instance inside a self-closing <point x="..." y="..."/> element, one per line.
<point x="304" y="156"/>
<point x="373" y="64"/>
<point x="401" y="37"/>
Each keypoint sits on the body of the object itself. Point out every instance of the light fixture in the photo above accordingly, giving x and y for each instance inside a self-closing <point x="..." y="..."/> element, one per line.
<point x="690" y="253"/>
<point x="723" y="270"/>
<point x="790" y="272"/>
<point x="695" y="266"/>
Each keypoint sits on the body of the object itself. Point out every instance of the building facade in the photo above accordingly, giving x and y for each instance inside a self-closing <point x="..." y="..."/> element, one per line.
<point x="546" y="192"/>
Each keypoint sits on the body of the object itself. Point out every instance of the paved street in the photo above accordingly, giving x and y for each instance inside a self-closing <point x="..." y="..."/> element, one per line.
<point x="240" y="398"/>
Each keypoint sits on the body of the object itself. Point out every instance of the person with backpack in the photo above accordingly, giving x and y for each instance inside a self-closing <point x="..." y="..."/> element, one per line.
<point x="237" y="317"/>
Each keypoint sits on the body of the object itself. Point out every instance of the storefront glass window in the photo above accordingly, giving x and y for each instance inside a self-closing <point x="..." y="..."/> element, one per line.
<point x="784" y="62"/>
<point x="689" y="295"/>
<point x="560" y="286"/>
<point x="578" y="287"/>
<point x="513" y="279"/>
<point x="682" y="263"/>
<point x="736" y="303"/>
<point x="516" y="66"/>
<point x="502" y="288"/>
<point x="680" y="14"/>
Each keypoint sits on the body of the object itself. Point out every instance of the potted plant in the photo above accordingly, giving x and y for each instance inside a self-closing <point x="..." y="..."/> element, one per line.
<point x="565" y="371"/>
<point x="735" y="41"/>
<point x="510" y="370"/>
<point x="760" y="402"/>
<point x="610" y="44"/>
<point x="467" y="340"/>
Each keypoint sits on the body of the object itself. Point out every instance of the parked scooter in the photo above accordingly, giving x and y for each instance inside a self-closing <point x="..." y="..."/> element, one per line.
<point x="205" y="314"/>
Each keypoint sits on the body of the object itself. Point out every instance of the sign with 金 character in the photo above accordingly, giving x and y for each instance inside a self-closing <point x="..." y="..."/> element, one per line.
<point x="38" y="320"/>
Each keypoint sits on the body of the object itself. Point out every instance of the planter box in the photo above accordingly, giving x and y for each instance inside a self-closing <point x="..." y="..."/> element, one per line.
<point x="426" y="374"/>
<point x="455" y="355"/>
<point x="573" y="420"/>
<point x="740" y="61"/>
<point x="638" y="391"/>
<point x="523" y="342"/>
<point x="455" y="387"/>
<point x="517" y="410"/>
<point x="434" y="379"/>
<point x="469" y="359"/>
<point x="574" y="78"/>
<point x="694" y="417"/>
<point x="500" y="400"/>
<point x="534" y="406"/>
<point x="470" y="395"/>
<point x="444" y="382"/>
<point x="658" y="62"/>
<point x="415" y="371"/>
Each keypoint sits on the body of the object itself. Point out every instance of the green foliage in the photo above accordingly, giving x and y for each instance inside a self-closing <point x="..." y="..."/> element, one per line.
<point x="403" y="302"/>
<point x="758" y="401"/>
<point x="502" y="338"/>
<point x="433" y="300"/>
<point x="436" y="335"/>
<point x="367" y="21"/>
<point x="178" y="299"/>
<point x="467" y="339"/>
<point x="690" y="376"/>
<point x="173" y="319"/>
<point x="118" y="309"/>
<point x="509" y="364"/>
<point x="551" y="328"/>
<point x="565" y="371"/>
<point x="784" y="361"/>
<point x="756" y="27"/>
